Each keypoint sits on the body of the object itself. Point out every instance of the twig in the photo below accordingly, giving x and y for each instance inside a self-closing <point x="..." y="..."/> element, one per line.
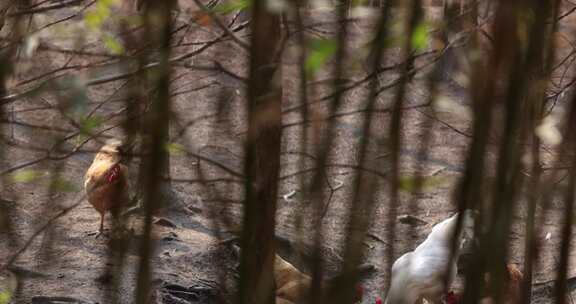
<point x="58" y="215"/>
<point x="45" y="8"/>
<point x="288" y="196"/>
<point x="379" y="239"/>
<point x="221" y="25"/>
<point x="332" y="191"/>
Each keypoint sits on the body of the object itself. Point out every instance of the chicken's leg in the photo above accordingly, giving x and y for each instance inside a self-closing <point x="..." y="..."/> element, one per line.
<point x="101" y="230"/>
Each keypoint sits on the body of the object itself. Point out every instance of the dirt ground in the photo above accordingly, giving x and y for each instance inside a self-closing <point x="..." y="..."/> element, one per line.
<point x="67" y="263"/>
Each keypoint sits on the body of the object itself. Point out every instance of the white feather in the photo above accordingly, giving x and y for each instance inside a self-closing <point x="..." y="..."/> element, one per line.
<point x="421" y="274"/>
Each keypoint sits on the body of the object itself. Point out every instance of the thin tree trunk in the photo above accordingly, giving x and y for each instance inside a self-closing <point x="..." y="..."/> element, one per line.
<point x="262" y="159"/>
<point x="156" y="127"/>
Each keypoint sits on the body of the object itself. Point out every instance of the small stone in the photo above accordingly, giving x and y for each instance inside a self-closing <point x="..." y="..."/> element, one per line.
<point x="195" y="209"/>
<point x="171" y="236"/>
<point x="164" y="222"/>
<point x="105" y="278"/>
<point x="411" y="220"/>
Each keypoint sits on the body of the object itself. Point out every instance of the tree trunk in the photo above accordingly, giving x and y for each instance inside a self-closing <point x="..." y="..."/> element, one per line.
<point x="262" y="160"/>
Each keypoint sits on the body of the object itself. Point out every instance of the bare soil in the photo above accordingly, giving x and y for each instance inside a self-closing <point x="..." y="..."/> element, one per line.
<point x="190" y="260"/>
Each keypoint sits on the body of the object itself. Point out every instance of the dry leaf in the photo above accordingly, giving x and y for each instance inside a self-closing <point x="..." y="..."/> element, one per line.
<point x="202" y="18"/>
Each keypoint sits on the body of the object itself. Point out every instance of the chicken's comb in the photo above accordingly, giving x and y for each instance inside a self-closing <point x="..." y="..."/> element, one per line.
<point x="359" y="291"/>
<point x="452" y="298"/>
<point x="113" y="174"/>
<point x="378" y="301"/>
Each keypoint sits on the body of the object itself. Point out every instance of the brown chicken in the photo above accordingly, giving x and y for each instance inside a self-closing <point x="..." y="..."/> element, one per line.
<point x="512" y="295"/>
<point x="292" y="286"/>
<point x="515" y="284"/>
<point x="106" y="181"/>
<point x="291" y="283"/>
<point x="283" y="301"/>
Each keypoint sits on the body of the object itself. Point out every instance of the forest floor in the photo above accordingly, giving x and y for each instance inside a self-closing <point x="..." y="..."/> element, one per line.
<point x="191" y="257"/>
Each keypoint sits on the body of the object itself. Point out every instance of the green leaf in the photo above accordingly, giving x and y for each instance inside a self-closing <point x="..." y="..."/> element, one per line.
<point x="26" y="176"/>
<point x="132" y="20"/>
<point x="408" y="183"/>
<point x="93" y="20"/>
<point x="420" y="37"/>
<point x="109" y="2"/>
<point x="88" y="124"/>
<point x="8" y="284"/>
<point x="321" y="51"/>
<point x="175" y="148"/>
<point x="113" y="44"/>
<point x="62" y="185"/>
<point x="229" y="7"/>
<point x="5" y="297"/>
<point x="359" y="2"/>
<point x="97" y="16"/>
<point x="103" y="9"/>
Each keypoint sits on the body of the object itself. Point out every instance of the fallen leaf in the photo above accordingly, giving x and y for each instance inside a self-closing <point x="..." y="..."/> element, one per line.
<point x="202" y="18"/>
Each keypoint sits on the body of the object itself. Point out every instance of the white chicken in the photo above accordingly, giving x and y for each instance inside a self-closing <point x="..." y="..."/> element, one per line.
<point x="421" y="274"/>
